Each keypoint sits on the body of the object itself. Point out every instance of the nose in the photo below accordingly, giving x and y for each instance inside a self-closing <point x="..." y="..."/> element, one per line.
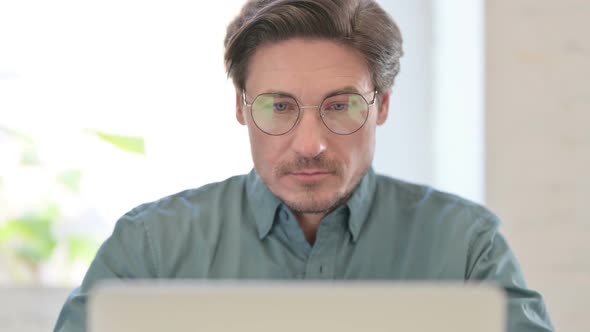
<point x="309" y="134"/>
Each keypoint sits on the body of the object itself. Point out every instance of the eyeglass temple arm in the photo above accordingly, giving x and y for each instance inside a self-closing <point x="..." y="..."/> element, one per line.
<point x="244" y="98"/>
<point x="374" y="97"/>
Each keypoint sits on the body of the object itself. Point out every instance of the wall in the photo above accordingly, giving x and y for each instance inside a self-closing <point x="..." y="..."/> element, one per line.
<point x="434" y="134"/>
<point x="538" y="145"/>
<point x="404" y="142"/>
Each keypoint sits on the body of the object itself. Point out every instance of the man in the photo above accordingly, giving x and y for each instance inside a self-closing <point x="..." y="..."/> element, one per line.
<point x="313" y="81"/>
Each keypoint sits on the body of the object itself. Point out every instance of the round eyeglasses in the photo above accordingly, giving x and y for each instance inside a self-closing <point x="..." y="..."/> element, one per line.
<point x="276" y="114"/>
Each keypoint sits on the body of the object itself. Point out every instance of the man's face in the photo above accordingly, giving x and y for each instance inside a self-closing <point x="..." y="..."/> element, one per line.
<point x="310" y="168"/>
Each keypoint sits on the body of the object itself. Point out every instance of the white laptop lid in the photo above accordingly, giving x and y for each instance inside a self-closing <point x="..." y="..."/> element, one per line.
<point x="295" y="307"/>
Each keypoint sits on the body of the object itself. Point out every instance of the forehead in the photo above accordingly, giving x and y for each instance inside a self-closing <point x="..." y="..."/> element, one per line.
<point x="304" y="66"/>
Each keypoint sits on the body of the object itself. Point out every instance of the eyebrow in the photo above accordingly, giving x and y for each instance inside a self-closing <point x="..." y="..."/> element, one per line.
<point x="345" y="89"/>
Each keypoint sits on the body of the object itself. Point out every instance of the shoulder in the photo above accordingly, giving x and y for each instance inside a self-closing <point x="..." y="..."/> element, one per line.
<point x="189" y="205"/>
<point x="166" y="231"/>
<point x="428" y="203"/>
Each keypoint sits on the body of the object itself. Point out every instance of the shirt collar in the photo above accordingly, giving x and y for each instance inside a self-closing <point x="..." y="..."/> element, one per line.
<point x="360" y="202"/>
<point x="264" y="203"/>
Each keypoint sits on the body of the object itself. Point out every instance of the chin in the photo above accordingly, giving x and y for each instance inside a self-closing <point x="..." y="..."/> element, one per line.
<point x="310" y="202"/>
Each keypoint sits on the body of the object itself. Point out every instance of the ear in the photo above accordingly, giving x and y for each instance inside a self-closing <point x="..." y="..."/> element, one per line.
<point x="240" y="109"/>
<point x="384" y="108"/>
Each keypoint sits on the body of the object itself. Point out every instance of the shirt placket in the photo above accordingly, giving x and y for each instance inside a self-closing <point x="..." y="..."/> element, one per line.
<point x="321" y="261"/>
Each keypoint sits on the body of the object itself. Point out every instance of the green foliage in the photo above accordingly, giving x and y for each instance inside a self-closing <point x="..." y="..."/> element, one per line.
<point x="131" y="144"/>
<point x="31" y="236"/>
<point x="29" y="240"/>
<point x="30" y="154"/>
<point x="81" y="248"/>
<point x="70" y="179"/>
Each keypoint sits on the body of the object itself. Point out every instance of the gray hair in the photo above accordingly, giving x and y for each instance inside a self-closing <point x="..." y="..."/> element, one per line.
<point x="360" y="24"/>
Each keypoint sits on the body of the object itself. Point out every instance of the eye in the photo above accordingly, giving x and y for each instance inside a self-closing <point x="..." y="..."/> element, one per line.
<point x="338" y="107"/>
<point x="280" y="107"/>
<point x="284" y="106"/>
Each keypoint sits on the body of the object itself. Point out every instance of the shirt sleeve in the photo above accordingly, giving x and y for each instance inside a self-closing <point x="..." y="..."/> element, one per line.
<point x="126" y="254"/>
<point x="491" y="259"/>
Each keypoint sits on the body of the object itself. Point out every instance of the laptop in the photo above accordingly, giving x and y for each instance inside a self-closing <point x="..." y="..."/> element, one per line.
<point x="150" y="306"/>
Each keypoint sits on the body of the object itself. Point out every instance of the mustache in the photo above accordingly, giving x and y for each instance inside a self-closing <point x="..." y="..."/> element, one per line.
<point x="304" y="163"/>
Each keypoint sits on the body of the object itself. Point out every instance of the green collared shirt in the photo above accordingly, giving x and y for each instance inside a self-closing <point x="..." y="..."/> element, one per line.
<point x="237" y="229"/>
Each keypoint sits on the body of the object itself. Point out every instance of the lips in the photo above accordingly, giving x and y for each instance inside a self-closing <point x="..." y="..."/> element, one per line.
<point x="310" y="175"/>
<point x="310" y="172"/>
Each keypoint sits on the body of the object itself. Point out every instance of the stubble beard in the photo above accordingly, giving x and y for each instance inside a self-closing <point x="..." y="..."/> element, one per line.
<point x="310" y="198"/>
<point x="311" y="201"/>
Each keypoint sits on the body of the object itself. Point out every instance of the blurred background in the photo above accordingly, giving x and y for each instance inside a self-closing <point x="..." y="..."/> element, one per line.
<point x="106" y="105"/>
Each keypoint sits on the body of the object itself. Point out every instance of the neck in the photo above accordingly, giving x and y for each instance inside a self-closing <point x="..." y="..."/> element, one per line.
<point x="309" y="224"/>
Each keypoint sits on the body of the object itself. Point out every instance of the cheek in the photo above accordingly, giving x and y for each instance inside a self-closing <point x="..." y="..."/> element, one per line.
<point x="256" y="145"/>
<point x="265" y="149"/>
<point x="358" y="148"/>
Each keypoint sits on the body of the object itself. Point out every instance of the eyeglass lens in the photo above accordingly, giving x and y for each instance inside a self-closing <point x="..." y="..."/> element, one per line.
<point x="277" y="114"/>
